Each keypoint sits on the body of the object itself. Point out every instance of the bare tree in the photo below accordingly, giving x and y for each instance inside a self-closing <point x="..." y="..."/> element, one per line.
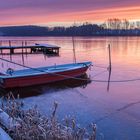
<point x="138" y="24"/>
<point x="125" y="24"/>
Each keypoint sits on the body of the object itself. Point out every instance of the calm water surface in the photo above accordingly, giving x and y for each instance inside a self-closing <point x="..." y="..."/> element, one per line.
<point x="116" y="111"/>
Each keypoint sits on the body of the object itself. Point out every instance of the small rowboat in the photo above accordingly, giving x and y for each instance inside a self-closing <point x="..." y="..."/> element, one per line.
<point x="42" y="75"/>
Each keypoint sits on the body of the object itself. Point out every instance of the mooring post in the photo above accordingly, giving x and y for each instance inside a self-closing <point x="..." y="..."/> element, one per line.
<point x="74" y="54"/>
<point x="109" y="77"/>
<point x="22" y="46"/>
<point x="109" y="51"/>
<point x="109" y="67"/>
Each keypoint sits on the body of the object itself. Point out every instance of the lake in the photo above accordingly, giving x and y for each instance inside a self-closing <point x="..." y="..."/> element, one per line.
<point x="113" y="106"/>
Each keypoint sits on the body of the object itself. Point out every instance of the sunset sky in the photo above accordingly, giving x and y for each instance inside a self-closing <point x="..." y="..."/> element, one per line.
<point x="65" y="12"/>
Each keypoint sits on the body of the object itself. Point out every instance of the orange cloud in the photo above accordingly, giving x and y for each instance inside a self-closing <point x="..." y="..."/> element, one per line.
<point x="130" y="13"/>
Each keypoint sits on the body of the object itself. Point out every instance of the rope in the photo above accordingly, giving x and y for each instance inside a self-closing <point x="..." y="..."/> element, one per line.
<point x="77" y="78"/>
<point x="100" y="67"/>
<point x="99" y="73"/>
<point x="21" y="65"/>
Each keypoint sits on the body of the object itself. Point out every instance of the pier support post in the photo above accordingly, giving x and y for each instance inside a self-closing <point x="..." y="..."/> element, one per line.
<point x="11" y="51"/>
<point x="22" y="46"/>
<point x="31" y="50"/>
<point x="26" y="45"/>
<point x="1" y="43"/>
<point x="9" y="43"/>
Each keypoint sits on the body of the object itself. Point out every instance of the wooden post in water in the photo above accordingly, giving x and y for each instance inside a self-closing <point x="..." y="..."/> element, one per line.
<point x="74" y="50"/>
<point x="22" y="53"/>
<point x="11" y="49"/>
<point x="22" y="46"/>
<point x="109" y="51"/>
<point x="109" y="67"/>
<point x="26" y="45"/>
<point x="1" y="45"/>
<point x="108" y="84"/>
<point x="9" y="43"/>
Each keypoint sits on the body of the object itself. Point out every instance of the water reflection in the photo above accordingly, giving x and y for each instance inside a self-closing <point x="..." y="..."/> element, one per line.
<point x="49" y="88"/>
<point x="125" y="52"/>
<point x="109" y="77"/>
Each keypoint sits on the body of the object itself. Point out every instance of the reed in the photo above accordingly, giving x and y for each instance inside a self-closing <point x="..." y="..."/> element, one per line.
<point x="32" y="125"/>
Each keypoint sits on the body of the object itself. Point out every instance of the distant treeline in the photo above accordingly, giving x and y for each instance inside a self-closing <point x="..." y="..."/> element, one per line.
<point x="112" y="27"/>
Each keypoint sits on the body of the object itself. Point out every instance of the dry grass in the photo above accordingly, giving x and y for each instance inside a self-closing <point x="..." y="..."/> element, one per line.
<point x="34" y="126"/>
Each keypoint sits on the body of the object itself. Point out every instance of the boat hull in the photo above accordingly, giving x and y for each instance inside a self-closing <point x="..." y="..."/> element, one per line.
<point x="42" y="79"/>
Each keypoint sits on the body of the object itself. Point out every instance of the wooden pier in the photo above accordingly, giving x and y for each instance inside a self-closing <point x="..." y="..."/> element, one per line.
<point x="44" y="48"/>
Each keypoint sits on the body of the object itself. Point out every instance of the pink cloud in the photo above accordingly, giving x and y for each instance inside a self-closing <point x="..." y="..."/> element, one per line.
<point x="15" y="12"/>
